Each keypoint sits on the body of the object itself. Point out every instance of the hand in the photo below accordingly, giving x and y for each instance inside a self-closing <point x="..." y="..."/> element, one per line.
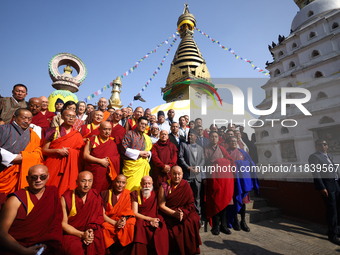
<point x="324" y="193"/>
<point x="105" y="162"/>
<point x="167" y="169"/>
<point x="34" y="249"/>
<point x="63" y="152"/>
<point x="154" y="222"/>
<point x="205" y="182"/>
<point x="17" y="160"/>
<point x="144" y="154"/>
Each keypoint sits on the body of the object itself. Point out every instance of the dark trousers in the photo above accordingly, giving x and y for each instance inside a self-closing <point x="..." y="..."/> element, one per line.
<point x="196" y="189"/>
<point x="332" y="203"/>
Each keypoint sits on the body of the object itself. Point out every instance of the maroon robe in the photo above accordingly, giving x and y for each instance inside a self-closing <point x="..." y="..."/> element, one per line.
<point x="162" y="154"/>
<point x="220" y="185"/>
<point x="103" y="176"/>
<point x="42" y="225"/>
<point x="184" y="234"/>
<point x="147" y="236"/>
<point x="118" y="133"/>
<point x="89" y="216"/>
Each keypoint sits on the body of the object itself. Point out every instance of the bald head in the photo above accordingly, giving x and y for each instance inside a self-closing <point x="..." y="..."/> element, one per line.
<point x="34" y="105"/>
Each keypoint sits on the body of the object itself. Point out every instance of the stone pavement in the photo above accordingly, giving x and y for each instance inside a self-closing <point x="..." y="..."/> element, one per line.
<point x="276" y="236"/>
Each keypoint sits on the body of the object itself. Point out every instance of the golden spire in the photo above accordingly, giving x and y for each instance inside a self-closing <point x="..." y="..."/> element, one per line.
<point x="68" y="69"/>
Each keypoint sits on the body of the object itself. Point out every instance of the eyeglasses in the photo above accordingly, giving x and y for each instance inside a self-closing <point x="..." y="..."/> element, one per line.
<point x="70" y="116"/>
<point x="42" y="177"/>
<point x="322" y="144"/>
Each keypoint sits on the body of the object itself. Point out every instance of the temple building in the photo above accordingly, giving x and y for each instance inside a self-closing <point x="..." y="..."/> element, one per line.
<point x="308" y="58"/>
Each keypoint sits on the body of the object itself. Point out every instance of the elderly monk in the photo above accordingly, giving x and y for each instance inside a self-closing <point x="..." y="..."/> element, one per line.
<point x="219" y="185"/>
<point x="62" y="148"/>
<point x="176" y="201"/>
<point x="119" y="218"/>
<point x="164" y="157"/>
<point x="92" y="128"/>
<point x="118" y="131"/>
<point x="19" y="150"/>
<point x="131" y="124"/>
<point x="245" y="181"/>
<point x="8" y="105"/>
<point x="102" y="106"/>
<point x="151" y="234"/>
<point x="31" y="218"/>
<point x="136" y="148"/>
<point x="102" y="157"/>
<point x="83" y="218"/>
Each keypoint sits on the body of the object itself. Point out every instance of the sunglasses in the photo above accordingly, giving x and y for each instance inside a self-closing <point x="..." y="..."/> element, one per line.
<point x="42" y="177"/>
<point x="324" y="144"/>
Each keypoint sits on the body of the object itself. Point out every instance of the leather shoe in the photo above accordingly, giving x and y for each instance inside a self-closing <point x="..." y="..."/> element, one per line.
<point x="244" y="226"/>
<point x="215" y="231"/>
<point x="225" y="230"/>
<point x="334" y="240"/>
<point x="236" y="225"/>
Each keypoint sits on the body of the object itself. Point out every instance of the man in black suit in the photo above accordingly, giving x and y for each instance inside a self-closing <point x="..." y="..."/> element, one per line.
<point x="201" y="140"/>
<point x="327" y="182"/>
<point x="191" y="159"/>
<point x="174" y="136"/>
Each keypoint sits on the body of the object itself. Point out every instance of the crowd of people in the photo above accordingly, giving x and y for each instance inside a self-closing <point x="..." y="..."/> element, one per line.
<point x="99" y="180"/>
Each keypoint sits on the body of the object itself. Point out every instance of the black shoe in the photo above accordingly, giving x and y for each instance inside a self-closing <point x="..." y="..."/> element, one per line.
<point x="244" y="226"/>
<point x="225" y="230"/>
<point x="215" y="231"/>
<point x="236" y="225"/>
<point x="334" y="240"/>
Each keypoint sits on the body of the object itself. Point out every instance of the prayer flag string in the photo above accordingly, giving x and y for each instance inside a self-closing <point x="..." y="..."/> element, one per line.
<point x="232" y="51"/>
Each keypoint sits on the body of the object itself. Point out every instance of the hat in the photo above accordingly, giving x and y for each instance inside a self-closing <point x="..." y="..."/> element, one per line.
<point x="59" y="101"/>
<point x="160" y="113"/>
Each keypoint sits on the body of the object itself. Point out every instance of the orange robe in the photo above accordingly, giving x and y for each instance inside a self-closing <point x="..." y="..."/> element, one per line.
<point x="115" y="210"/>
<point x="14" y="177"/>
<point x="64" y="170"/>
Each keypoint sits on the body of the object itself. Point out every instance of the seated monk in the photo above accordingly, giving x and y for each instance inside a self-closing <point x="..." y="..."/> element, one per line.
<point x="62" y="148"/>
<point x="102" y="158"/>
<point x="30" y="219"/>
<point x="176" y="201"/>
<point x="151" y="234"/>
<point x="164" y="157"/>
<point x="92" y="128"/>
<point x="118" y="131"/>
<point x="119" y="218"/>
<point x="19" y="150"/>
<point x="83" y="218"/>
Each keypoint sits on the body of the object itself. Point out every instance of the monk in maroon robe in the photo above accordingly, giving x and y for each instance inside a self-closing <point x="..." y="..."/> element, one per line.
<point x="102" y="158"/>
<point x="30" y="219"/>
<point x="83" y="218"/>
<point x="164" y="157"/>
<point x="219" y="185"/>
<point x="92" y="129"/>
<point x="176" y="201"/>
<point x="151" y="234"/>
<point x="118" y="131"/>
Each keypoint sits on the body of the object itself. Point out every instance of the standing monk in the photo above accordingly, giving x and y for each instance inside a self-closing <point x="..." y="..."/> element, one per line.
<point x="164" y="157"/>
<point x="31" y="218"/>
<point x="19" y="150"/>
<point x="102" y="157"/>
<point x="151" y="234"/>
<point x="62" y="148"/>
<point x="92" y="128"/>
<point x="8" y="105"/>
<point x="119" y="218"/>
<point x="118" y="131"/>
<point x="83" y="218"/>
<point x="136" y="148"/>
<point x="176" y="201"/>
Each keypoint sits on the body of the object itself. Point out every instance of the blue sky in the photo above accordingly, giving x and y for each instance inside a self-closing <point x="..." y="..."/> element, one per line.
<point x="110" y="36"/>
